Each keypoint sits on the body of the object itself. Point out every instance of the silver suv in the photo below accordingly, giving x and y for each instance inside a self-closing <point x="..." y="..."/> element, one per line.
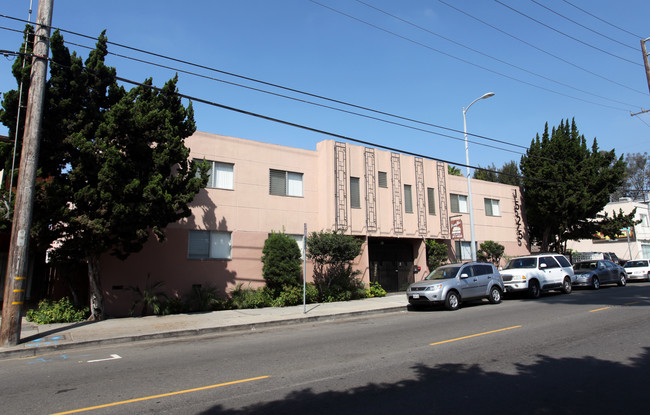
<point x="536" y="273"/>
<point x="452" y="284"/>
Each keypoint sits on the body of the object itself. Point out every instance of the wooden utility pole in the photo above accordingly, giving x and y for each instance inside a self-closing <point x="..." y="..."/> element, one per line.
<point x="645" y="60"/>
<point x="17" y="263"/>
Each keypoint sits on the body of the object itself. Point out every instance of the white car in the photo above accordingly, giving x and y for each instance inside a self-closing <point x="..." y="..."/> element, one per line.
<point x="638" y="269"/>
<point x="536" y="273"/>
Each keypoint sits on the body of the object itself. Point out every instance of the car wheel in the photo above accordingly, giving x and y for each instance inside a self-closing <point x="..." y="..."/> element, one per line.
<point x="495" y="295"/>
<point x="452" y="302"/>
<point x="595" y="283"/>
<point x="533" y="289"/>
<point x="622" y="280"/>
<point x="566" y="286"/>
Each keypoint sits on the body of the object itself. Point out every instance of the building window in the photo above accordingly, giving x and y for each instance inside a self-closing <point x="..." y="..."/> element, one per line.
<point x="285" y="183"/>
<point x="355" y="193"/>
<point x="492" y="207"/>
<point x="431" y="199"/>
<point x="408" y="199"/>
<point x="458" y="203"/>
<point x="220" y="175"/>
<point x="463" y="250"/>
<point x="209" y="244"/>
<point x="644" y="220"/>
<point x="300" y="240"/>
<point x="382" y="179"/>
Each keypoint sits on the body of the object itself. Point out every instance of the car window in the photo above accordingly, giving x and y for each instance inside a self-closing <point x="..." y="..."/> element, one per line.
<point x="481" y="269"/>
<point x="549" y="261"/>
<point x="610" y="265"/>
<point x="522" y="263"/>
<point x="634" y="264"/>
<point x="585" y="265"/>
<point x="443" y="273"/>
<point x="563" y="261"/>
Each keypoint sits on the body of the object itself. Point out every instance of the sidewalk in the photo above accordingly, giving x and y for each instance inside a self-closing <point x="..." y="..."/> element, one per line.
<point x="47" y="338"/>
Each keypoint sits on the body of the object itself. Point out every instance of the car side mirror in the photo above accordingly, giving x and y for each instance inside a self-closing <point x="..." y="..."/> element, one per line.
<point x="542" y="266"/>
<point x="463" y="275"/>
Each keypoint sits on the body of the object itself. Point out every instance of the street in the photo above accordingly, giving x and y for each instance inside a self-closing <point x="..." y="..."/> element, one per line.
<point x="587" y="352"/>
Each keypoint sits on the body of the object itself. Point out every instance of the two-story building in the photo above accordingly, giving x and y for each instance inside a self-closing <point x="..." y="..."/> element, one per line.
<point x="394" y="202"/>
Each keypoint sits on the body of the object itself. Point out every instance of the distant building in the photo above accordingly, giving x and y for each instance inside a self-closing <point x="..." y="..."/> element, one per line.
<point x="393" y="202"/>
<point x="631" y="243"/>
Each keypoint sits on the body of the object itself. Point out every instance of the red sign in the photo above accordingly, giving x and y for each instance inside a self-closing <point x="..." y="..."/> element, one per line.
<point x="456" y="228"/>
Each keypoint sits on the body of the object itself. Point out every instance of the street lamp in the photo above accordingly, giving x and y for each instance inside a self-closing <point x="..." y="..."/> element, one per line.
<point x="469" y="182"/>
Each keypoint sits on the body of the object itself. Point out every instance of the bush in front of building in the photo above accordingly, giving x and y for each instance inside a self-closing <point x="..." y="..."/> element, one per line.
<point x="437" y="253"/>
<point x="491" y="251"/>
<point x="293" y="295"/>
<point x="375" y="290"/>
<point x="332" y="254"/>
<point x="62" y="311"/>
<point x="241" y="298"/>
<point x="282" y="262"/>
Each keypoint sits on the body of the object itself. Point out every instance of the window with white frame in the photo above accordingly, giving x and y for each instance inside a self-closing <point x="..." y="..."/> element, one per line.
<point x="458" y="203"/>
<point x="209" y="244"/>
<point x="355" y="193"/>
<point x="492" y="207"/>
<point x="644" y="220"/>
<point x="408" y="198"/>
<point x="220" y="175"/>
<point x="285" y="183"/>
<point x="463" y="250"/>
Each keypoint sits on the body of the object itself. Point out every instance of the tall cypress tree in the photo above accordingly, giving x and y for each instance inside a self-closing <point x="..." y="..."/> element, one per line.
<point x="566" y="184"/>
<point x="114" y="163"/>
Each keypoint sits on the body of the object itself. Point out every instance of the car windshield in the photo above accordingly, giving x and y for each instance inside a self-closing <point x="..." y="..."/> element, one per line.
<point x="522" y="263"/>
<point x="443" y="273"/>
<point x="586" y="265"/>
<point x="634" y="264"/>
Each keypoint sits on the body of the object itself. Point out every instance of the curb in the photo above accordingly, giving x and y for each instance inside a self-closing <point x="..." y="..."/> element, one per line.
<point x="22" y="351"/>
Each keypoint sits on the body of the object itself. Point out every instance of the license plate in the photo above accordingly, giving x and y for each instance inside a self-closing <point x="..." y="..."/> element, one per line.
<point x="416" y="296"/>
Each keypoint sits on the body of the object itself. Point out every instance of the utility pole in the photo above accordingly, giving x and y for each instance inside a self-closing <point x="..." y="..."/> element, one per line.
<point x="645" y="60"/>
<point x="17" y="263"/>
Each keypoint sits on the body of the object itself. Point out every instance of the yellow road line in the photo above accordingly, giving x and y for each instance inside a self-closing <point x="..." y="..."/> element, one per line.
<point x="599" y="309"/>
<point x="633" y="302"/>
<point x="474" y="335"/>
<point x="162" y="395"/>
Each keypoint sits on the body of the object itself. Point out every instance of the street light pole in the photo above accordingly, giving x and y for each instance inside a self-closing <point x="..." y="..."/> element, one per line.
<point x="469" y="181"/>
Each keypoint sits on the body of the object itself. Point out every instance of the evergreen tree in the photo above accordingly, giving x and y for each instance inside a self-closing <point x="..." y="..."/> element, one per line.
<point x="566" y="184"/>
<point x="489" y="174"/>
<point x="509" y="174"/>
<point x="114" y="163"/>
<point x="282" y="262"/>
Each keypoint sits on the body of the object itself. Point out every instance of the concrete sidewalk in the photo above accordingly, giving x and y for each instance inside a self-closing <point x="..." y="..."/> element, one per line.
<point x="48" y="338"/>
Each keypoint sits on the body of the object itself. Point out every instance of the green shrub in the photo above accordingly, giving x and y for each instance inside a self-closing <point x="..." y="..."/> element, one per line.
<point x="149" y="298"/>
<point x="375" y="290"/>
<point x="203" y="298"/>
<point x="292" y="295"/>
<point x="250" y="298"/>
<point x="174" y="306"/>
<point x="62" y="311"/>
<point x="282" y="262"/>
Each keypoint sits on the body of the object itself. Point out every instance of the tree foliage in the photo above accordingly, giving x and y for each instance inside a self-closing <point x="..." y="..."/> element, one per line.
<point x="115" y="162"/>
<point x="437" y="253"/>
<point x="282" y="262"/>
<point x="507" y="174"/>
<point x="566" y="184"/>
<point x="332" y="254"/>
<point x="491" y="251"/>
<point x="637" y="177"/>
<point x="453" y="170"/>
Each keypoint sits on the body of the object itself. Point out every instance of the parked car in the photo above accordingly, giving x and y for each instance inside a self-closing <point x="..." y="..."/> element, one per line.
<point x="452" y="284"/>
<point x="637" y="269"/>
<point x="594" y="256"/>
<point x="536" y="273"/>
<point x="595" y="273"/>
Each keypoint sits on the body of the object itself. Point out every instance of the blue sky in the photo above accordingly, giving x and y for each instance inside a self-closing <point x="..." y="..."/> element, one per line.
<point x="421" y="60"/>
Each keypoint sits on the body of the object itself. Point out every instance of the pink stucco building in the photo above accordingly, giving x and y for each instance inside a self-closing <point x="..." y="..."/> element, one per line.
<point x="393" y="201"/>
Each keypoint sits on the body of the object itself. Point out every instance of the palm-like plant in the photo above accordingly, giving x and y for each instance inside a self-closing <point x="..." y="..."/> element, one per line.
<point x="149" y="298"/>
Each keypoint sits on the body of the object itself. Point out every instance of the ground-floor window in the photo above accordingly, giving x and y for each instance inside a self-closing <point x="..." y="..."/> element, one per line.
<point x="209" y="244"/>
<point x="645" y="251"/>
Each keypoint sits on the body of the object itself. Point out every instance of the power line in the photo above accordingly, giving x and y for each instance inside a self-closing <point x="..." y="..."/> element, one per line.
<point x="489" y="56"/>
<point x="581" y="25"/>
<point x="604" y="21"/>
<point x="461" y="59"/>
<point x="542" y="50"/>
<point x="569" y="36"/>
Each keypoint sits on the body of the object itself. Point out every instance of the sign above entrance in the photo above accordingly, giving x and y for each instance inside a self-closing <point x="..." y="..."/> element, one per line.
<point x="456" y="228"/>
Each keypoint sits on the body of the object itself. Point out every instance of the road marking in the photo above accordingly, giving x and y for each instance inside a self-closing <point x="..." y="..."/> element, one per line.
<point x="474" y="335"/>
<point x="599" y="309"/>
<point x="633" y="302"/>
<point x="162" y="395"/>
<point x="113" y="357"/>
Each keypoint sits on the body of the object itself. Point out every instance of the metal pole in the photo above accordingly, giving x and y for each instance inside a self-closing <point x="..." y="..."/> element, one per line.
<point x="304" y="271"/>
<point x="17" y="262"/>
<point x="469" y="180"/>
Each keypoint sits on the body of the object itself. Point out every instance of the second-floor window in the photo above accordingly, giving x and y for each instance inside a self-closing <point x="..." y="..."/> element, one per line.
<point x="408" y="199"/>
<point x="355" y="193"/>
<point x="220" y="175"/>
<point x="285" y="183"/>
<point x="431" y="199"/>
<point x="492" y="207"/>
<point x="458" y="203"/>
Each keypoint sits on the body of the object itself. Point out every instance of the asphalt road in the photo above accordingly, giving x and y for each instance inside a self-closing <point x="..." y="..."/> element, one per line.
<point x="587" y="352"/>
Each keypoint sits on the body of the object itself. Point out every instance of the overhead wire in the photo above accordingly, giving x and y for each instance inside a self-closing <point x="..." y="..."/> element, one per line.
<point x="542" y="50"/>
<point x="490" y="56"/>
<point x="567" y="35"/>
<point x="464" y="60"/>
<point x="602" y="20"/>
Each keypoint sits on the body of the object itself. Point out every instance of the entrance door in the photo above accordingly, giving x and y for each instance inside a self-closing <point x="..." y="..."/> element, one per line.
<point x="391" y="263"/>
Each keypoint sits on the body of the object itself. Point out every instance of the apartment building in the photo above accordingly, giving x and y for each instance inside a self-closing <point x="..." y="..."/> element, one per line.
<point x="394" y="202"/>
